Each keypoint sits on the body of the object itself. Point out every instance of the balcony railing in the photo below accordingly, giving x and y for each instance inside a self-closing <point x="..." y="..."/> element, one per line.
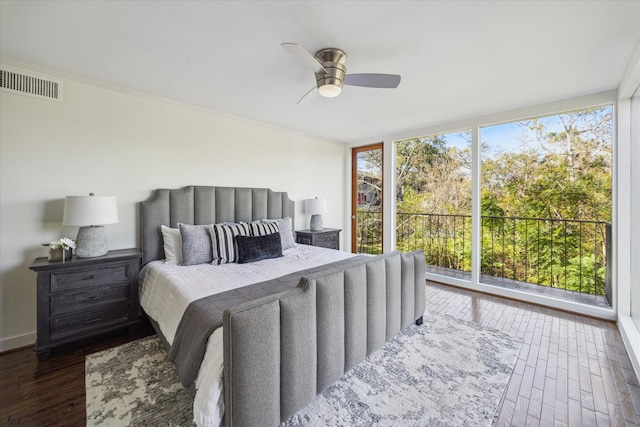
<point x="572" y="255"/>
<point x="369" y="232"/>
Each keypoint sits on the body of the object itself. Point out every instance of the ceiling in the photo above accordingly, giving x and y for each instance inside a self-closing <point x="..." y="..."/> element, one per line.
<point x="457" y="58"/>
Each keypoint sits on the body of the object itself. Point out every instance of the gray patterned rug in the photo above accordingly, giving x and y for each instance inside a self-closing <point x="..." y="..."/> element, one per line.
<point x="446" y="372"/>
<point x="134" y="384"/>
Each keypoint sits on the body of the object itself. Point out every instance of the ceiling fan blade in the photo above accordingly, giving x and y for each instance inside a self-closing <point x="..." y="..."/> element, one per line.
<point x="304" y="57"/>
<point x="312" y="94"/>
<point x="386" y="81"/>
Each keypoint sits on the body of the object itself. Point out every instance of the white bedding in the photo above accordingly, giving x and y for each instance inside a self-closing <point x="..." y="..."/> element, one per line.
<point x="166" y="290"/>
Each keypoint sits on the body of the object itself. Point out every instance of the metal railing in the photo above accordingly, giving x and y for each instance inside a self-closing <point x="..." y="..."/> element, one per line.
<point x="445" y="239"/>
<point x="369" y="232"/>
<point x="560" y="253"/>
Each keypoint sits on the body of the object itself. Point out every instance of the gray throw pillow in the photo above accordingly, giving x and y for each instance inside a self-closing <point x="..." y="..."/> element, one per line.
<point x="286" y="235"/>
<point x="196" y="244"/>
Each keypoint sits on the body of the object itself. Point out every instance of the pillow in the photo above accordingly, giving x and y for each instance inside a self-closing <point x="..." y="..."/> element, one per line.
<point x="196" y="244"/>
<point x="258" y="228"/>
<point x="256" y="248"/>
<point x="224" y="243"/>
<point x="172" y="245"/>
<point x="286" y="235"/>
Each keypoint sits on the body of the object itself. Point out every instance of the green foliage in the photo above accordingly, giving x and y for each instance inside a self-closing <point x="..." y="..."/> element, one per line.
<point x="432" y="177"/>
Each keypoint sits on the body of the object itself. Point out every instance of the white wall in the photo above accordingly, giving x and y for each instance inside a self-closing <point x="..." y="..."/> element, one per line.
<point x="628" y="196"/>
<point x="635" y="209"/>
<point x="111" y="142"/>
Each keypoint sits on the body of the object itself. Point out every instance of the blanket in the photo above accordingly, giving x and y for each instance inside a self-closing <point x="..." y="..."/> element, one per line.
<point x="203" y="316"/>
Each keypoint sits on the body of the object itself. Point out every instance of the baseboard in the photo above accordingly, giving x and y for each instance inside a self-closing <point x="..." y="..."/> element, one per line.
<point x="8" y="344"/>
<point x="631" y="338"/>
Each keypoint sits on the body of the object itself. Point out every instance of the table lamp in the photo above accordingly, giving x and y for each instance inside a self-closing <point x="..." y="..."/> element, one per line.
<point x="90" y="213"/>
<point x="315" y="207"/>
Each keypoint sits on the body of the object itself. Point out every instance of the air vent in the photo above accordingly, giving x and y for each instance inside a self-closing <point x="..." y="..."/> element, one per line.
<point x="30" y="84"/>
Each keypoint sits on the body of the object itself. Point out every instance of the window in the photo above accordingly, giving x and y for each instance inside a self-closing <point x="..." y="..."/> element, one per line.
<point x="546" y="200"/>
<point x="433" y="199"/>
<point x="544" y="196"/>
<point x="367" y="202"/>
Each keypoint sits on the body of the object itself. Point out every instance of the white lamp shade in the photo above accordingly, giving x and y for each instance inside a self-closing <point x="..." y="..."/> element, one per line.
<point x="315" y="206"/>
<point x="90" y="210"/>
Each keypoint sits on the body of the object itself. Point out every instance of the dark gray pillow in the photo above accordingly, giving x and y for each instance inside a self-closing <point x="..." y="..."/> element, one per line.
<point x="196" y="244"/>
<point x="256" y="248"/>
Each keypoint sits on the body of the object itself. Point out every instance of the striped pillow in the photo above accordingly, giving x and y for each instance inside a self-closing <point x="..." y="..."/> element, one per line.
<point x="258" y="228"/>
<point x="223" y="241"/>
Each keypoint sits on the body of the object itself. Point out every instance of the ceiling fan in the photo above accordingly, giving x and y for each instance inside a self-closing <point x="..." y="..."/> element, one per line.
<point x="331" y="74"/>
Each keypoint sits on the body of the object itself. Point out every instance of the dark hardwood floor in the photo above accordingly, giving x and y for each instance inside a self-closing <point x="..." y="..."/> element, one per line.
<point x="571" y="371"/>
<point x="49" y="393"/>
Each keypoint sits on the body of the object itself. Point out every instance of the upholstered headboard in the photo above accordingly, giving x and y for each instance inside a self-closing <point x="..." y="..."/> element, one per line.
<point x="206" y="205"/>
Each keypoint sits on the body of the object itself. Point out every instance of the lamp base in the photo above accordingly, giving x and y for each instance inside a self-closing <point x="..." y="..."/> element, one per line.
<point x="316" y="223"/>
<point x="91" y="242"/>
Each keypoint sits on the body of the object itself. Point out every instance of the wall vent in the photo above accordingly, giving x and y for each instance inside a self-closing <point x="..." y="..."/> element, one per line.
<point x="30" y="84"/>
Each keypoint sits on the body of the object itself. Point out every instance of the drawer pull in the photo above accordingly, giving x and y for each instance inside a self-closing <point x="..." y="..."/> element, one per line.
<point x="89" y="277"/>
<point x="94" y="297"/>
<point x="94" y="320"/>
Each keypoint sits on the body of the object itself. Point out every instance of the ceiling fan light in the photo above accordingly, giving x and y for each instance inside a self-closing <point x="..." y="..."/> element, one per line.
<point x="329" y="91"/>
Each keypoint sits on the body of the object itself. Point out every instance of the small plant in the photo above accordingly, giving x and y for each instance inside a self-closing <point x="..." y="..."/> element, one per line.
<point x="64" y="243"/>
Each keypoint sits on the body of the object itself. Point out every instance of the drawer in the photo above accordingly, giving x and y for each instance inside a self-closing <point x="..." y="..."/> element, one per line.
<point x="327" y="241"/>
<point x="95" y="297"/>
<point x="304" y="240"/>
<point x="82" y="278"/>
<point x="87" y="321"/>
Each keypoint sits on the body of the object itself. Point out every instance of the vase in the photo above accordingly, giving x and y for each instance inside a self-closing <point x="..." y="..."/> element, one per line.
<point x="60" y="255"/>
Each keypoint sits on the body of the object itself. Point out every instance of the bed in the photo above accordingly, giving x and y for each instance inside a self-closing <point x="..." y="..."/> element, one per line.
<point x="277" y="350"/>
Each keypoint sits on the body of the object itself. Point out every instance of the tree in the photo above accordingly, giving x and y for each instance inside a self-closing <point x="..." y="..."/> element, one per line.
<point x="432" y="177"/>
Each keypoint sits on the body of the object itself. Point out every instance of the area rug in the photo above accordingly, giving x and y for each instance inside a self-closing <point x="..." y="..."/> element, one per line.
<point x="135" y="385"/>
<point x="446" y="372"/>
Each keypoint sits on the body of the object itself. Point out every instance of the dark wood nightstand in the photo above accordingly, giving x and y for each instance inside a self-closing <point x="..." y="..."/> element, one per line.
<point x="326" y="238"/>
<point x="86" y="297"/>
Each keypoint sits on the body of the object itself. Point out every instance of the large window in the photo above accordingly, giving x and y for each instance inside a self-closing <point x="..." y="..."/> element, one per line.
<point x="544" y="202"/>
<point x="433" y="198"/>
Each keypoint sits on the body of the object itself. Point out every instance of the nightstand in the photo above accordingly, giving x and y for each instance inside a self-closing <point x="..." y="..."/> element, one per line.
<point x="326" y="238"/>
<point x="86" y="297"/>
